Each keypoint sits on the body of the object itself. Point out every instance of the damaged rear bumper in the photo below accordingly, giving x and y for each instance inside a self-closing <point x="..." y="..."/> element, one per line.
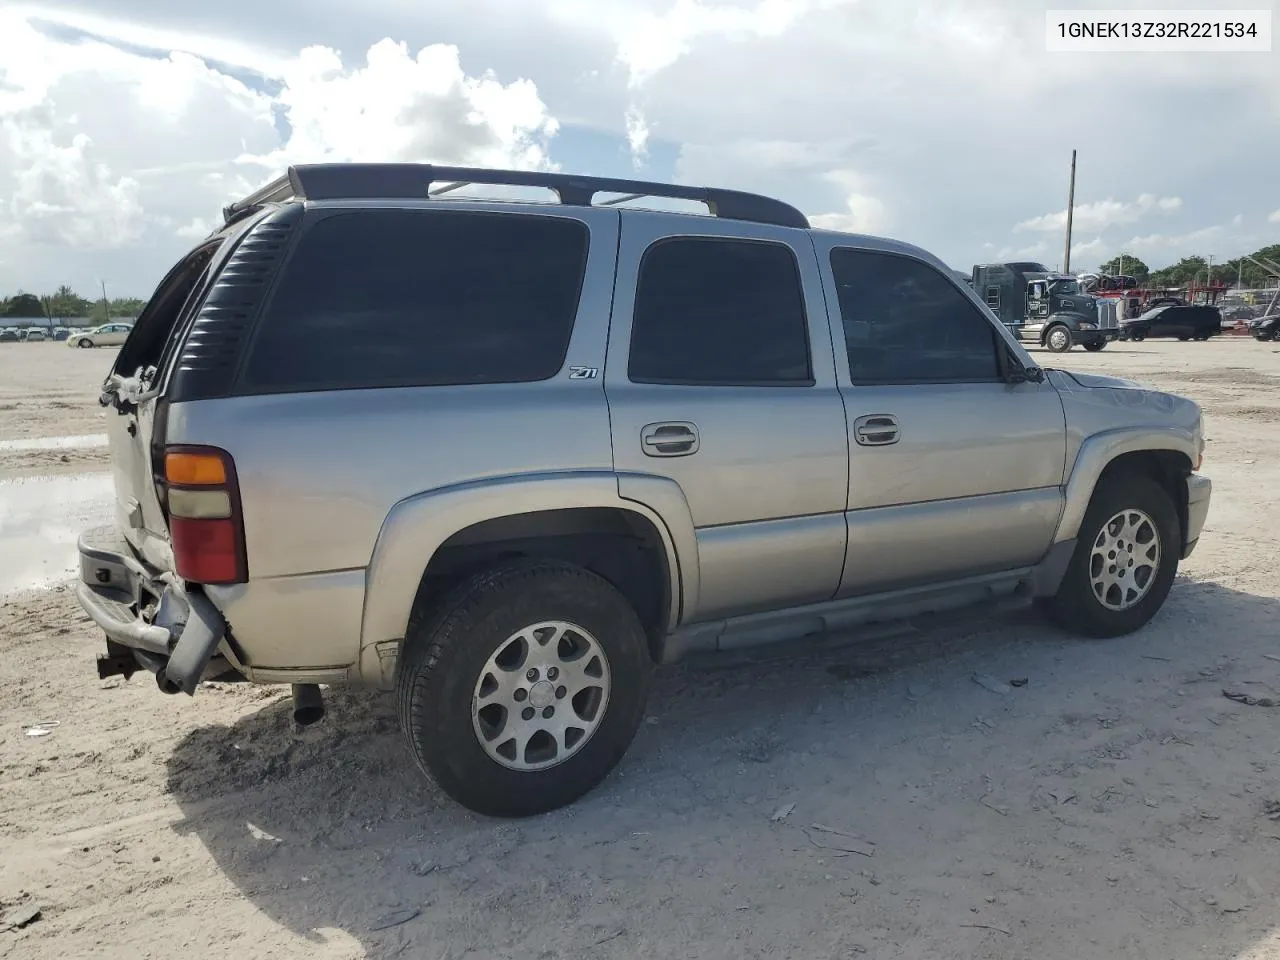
<point x="151" y="620"/>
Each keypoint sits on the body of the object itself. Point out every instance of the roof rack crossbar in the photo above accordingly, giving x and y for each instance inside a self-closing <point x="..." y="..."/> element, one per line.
<point x="398" y="181"/>
<point x="448" y="188"/>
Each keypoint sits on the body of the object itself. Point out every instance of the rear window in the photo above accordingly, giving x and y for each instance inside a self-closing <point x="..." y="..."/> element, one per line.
<point x="387" y="298"/>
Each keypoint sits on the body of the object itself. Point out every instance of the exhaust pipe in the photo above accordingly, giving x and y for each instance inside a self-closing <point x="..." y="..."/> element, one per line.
<point x="308" y="704"/>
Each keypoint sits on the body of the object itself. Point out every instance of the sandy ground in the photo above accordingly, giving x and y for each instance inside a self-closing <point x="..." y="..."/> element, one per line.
<point x="1116" y="806"/>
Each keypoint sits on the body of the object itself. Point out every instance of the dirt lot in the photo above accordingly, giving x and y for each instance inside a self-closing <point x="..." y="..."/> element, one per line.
<point x="1117" y="805"/>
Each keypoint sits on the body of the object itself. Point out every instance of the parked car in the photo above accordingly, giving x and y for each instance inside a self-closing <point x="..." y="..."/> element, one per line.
<point x="9" y="335"/>
<point x="1265" y="328"/>
<point x="33" y="335"/>
<point x="552" y="476"/>
<point x="1183" y="322"/>
<point x="61" y="333"/>
<point x="107" y="335"/>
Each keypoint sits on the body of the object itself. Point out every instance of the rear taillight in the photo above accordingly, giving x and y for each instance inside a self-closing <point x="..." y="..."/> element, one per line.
<point x="205" y="523"/>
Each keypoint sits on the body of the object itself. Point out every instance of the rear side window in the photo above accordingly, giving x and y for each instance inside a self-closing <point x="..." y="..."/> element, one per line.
<point x="416" y="298"/>
<point x="904" y="322"/>
<point x="715" y="312"/>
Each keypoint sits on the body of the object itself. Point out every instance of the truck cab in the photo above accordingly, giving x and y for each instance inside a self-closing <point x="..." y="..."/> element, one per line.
<point x="1044" y="307"/>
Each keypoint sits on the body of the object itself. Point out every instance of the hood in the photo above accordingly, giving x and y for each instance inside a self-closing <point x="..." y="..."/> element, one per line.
<point x="1094" y="380"/>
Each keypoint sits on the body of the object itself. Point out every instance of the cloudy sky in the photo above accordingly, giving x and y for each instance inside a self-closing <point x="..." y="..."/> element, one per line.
<point x="941" y="122"/>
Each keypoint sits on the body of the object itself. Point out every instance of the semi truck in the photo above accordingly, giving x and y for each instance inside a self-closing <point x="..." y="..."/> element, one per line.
<point x="1044" y="307"/>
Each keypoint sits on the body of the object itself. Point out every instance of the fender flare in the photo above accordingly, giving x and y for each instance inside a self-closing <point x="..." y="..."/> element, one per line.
<point x="1098" y="452"/>
<point x="417" y="526"/>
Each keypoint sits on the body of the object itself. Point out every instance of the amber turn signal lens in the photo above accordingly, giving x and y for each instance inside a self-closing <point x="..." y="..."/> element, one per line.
<point x="194" y="469"/>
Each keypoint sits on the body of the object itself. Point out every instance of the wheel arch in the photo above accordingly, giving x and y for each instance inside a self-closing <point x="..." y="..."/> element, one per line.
<point x="1167" y="456"/>
<point x="431" y="540"/>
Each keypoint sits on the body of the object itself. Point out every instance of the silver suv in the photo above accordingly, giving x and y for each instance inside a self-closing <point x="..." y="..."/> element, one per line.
<point x="505" y="457"/>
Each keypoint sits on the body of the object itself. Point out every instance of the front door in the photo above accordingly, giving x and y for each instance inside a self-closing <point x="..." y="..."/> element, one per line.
<point x="953" y="471"/>
<point x="720" y="377"/>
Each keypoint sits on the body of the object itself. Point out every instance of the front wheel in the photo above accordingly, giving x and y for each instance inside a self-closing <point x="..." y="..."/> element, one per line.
<point x="85" y="343"/>
<point x="524" y="687"/>
<point x="1058" y="340"/>
<point x="1125" y="559"/>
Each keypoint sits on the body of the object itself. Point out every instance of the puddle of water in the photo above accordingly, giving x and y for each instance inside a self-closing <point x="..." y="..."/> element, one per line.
<point x="53" y="443"/>
<point x="40" y="521"/>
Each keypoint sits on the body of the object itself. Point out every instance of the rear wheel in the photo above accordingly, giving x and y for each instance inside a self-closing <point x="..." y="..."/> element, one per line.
<point x="524" y="687"/>
<point x="1058" y="339"/>
<point x="1125" y="559"/>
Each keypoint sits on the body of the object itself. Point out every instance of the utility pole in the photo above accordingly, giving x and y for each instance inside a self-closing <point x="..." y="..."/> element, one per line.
<point x="1071" y="208"/>
<point x="1208" y="279"/>
<point x="106" y="304"/>
<point x="1240" y="274"/>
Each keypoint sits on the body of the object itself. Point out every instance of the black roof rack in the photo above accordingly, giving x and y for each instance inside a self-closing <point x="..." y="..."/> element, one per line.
<point x="399" y="181"/>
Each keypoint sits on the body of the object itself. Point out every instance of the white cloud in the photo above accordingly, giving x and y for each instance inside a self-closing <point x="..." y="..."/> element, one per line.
<point x="196" y="229"/>
<point x="408" y="107"/>
<point x="1036" y="251"/>
<point x="1102" y="214"/>
<point x="1191" y="243"/>
<point x="649" y="42"/>
<point x="1275" y="217"/>
<point x="111" y="161"/>
<point x="637" y="135"/>
<point x="863" y="212"/>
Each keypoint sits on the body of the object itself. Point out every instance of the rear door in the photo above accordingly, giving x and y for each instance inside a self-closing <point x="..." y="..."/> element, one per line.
<point x="720" y="377"/>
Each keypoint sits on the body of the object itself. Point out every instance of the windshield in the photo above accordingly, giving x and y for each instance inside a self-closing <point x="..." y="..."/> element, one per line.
<point x="1065" y="288"/>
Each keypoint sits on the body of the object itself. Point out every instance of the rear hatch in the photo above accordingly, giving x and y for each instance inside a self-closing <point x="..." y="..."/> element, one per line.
<point x="133" y="394"/>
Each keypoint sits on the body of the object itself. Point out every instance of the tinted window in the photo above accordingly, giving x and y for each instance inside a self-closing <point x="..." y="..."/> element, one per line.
<point x="904" y="322"/>
<point x="401" y="297"/>
<point x="719" y="312"/>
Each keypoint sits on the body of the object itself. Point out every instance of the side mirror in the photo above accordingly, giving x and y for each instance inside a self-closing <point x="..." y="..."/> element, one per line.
<point x="1020" y="374"/>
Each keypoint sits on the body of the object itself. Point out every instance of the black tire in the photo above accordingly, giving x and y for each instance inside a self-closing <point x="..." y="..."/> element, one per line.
<point x="446" y="651"/>
<point x="1183" y="339"/>
<point x="1138" y="337"/>
<point x="84" y="343"/>
<point x="1057" y="344"/>
<point x="1094" y="346"/>
<point x="1075" y="607"/>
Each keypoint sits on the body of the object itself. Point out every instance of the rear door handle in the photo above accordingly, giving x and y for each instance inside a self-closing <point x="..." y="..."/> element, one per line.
<point x="674" y="438"/>
<point x="876" y="430"/>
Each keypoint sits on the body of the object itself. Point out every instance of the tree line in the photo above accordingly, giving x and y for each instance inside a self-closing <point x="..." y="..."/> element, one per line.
<point x="65" y="302"/>
<point x="1197" y="270"/>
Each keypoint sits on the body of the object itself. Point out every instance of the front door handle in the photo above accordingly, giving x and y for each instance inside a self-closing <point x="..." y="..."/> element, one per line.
<point x="876" y="430"/>
<point x="674" y="438"/>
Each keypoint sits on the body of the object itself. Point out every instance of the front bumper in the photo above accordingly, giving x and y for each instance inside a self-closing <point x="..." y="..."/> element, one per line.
<point x="1199" y="490"/>
<point x="1104" y="335"/>
<point x="148" y="617"/>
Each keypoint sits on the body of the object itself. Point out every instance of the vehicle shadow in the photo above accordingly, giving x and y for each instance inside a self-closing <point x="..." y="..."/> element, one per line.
<point x="983" y="809"/>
